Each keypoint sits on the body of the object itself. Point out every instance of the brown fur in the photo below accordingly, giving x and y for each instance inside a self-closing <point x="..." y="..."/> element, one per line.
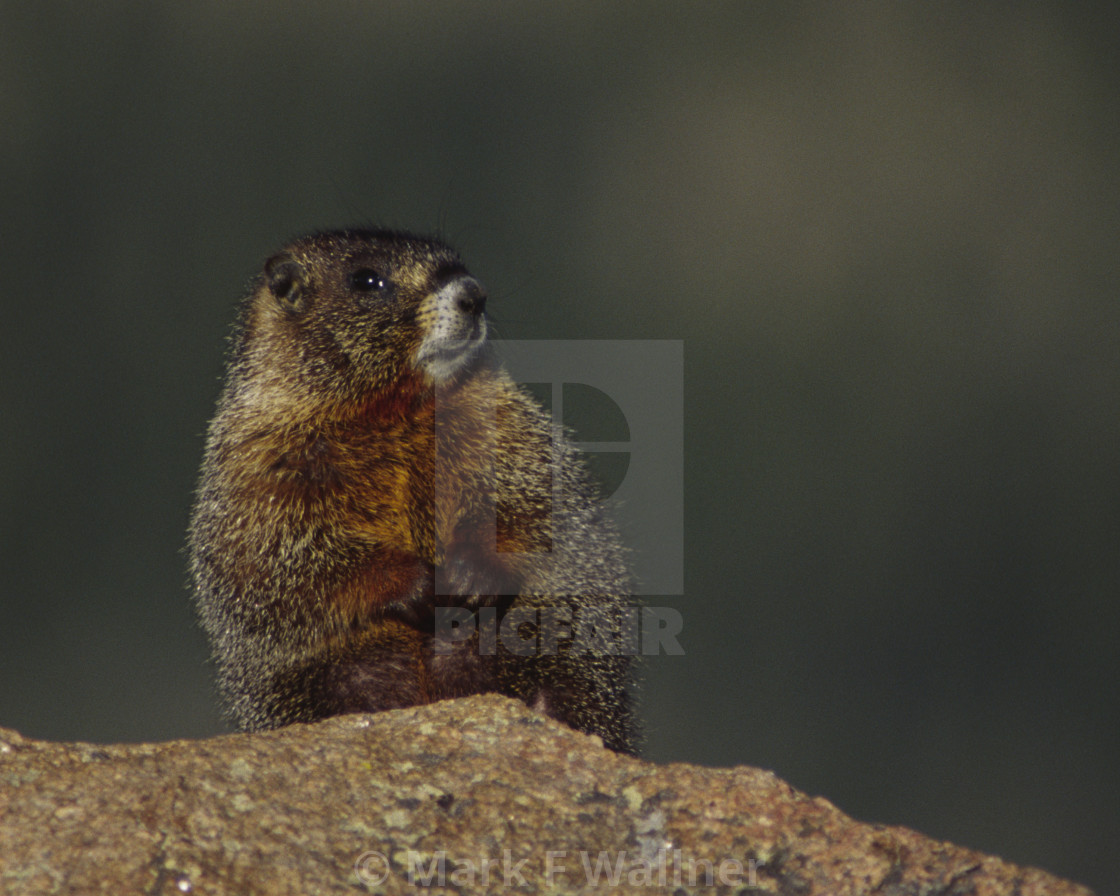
<point x="369" y="461"/>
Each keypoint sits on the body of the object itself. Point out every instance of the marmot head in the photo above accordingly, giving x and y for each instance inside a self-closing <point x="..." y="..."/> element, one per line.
<point x="349" y="314"/>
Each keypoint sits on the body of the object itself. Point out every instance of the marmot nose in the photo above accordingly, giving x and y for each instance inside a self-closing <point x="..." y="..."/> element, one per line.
<point x="470" y="296"/>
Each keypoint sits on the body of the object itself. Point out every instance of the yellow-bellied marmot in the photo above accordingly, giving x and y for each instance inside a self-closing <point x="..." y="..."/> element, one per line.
<point x="370" y="466"/>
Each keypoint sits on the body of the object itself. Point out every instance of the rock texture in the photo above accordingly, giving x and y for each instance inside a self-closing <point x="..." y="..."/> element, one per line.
<point x="464" y="796"/>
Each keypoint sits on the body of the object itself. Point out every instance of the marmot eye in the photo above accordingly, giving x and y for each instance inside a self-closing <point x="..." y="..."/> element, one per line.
<point x="367" y="280"/>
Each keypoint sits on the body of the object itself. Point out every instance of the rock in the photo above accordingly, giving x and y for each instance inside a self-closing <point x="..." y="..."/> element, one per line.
<point x="475" y="795"/>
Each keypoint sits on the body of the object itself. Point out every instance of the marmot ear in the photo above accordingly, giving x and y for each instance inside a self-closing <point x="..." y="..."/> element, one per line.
<point x="286" y="279"/>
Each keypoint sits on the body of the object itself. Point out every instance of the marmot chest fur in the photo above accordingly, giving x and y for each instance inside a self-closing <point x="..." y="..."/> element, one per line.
<point x="371" y="466"/>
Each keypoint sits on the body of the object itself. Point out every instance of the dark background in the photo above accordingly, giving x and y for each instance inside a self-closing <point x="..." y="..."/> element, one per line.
<point x="888" y="235"/>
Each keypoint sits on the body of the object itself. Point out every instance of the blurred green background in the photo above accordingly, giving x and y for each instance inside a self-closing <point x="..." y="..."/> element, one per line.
<point x="888" y="235"/>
